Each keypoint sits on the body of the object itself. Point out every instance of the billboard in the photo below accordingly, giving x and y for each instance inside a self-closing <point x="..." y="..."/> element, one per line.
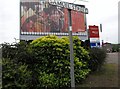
<point x="39" y="16"/>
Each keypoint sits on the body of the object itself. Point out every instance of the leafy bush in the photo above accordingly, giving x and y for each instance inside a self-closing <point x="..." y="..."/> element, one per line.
<point x="52" y="58"/>
<point x="98" y="57"/>
<point x="115" y="48"/>
<point x="14" y="76"/>
<point x="18" y="52"/>
<point x="45" y="63"/>
<point x="47" y="80"/>
<point x="8" y="51"/>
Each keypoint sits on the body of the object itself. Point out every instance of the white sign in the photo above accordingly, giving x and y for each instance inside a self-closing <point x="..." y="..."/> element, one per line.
<point x="69" y="6"/>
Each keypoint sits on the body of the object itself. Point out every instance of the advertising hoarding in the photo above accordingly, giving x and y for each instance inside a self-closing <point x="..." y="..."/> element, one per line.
<point x="43" y="17"/>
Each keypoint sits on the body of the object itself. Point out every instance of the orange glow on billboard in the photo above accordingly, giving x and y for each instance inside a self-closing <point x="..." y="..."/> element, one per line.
<point x="37" y="17"/>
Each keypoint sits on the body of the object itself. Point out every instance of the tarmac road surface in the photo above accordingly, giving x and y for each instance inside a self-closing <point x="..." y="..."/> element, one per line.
<point x="112" y="57"/>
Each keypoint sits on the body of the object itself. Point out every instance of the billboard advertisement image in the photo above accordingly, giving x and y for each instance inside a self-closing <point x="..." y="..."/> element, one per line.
<point x="44" y="17"/>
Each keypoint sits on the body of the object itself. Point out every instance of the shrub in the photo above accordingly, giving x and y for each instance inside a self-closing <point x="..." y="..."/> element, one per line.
<point x="14" y="76"/>
<point x="115" y="48"/>
<point x="47" y="80"/>
<point x="45" y="63"/>
<point x="52" y="58"/>
<point x="8" y="51"/>
<point x="18" y="52"/>
<point x="97" y="58"/>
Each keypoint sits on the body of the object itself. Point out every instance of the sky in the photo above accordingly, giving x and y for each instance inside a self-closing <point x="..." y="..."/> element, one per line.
<point x="103" y="12"/>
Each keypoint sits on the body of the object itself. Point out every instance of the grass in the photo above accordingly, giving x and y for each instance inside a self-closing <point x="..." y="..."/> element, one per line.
<point x="106" y="77"/>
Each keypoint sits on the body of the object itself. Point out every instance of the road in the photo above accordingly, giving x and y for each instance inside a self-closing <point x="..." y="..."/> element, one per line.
<point x="112" y="57"/>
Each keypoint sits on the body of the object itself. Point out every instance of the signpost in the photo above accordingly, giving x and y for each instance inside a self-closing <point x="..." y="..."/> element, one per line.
<point x="71" y="51"/>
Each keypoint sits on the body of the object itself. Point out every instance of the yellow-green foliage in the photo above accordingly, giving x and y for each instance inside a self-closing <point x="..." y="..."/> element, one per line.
<point x="52" y="56"/>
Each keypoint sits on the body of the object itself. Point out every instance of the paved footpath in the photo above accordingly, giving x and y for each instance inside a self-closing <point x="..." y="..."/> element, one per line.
<point x="112" y="57"/>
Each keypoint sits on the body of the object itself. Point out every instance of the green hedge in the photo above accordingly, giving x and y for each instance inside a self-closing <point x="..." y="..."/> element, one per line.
<point x="44" y="63"/>
<point x="15" y="76"/>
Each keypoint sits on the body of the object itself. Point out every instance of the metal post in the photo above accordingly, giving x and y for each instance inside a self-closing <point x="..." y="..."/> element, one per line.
<point x="0" y="66"/>
<point x="71" y="51"/>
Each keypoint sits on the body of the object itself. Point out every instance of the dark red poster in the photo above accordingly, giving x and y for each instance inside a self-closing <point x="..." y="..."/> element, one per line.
<point x="93" y="32"/>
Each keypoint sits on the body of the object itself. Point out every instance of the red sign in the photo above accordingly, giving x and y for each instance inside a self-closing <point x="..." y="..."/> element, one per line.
<point x="93" y="31"/>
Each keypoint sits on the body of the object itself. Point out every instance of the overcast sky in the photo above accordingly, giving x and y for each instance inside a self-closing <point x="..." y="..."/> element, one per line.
<point x="103" y="12"/>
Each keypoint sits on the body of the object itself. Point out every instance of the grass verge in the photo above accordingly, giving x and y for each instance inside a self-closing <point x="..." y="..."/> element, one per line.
<point x="106" y="77"/>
